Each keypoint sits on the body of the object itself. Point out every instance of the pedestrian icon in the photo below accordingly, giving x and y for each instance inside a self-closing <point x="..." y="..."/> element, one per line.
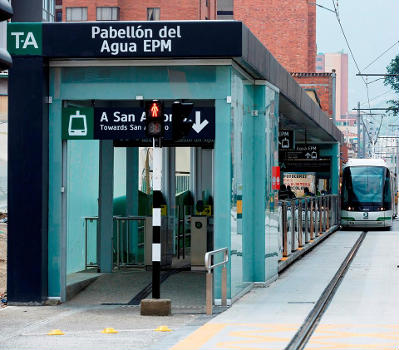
<point x="77" y="125"/>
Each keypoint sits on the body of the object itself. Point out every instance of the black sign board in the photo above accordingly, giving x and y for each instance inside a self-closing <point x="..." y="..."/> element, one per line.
<point x="286" y="139"/>
<point x="302" y="151"/>
<point x="127" y="39"/>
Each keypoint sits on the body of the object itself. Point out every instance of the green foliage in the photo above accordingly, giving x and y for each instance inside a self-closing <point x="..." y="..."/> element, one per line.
<point x="393" y="82"/>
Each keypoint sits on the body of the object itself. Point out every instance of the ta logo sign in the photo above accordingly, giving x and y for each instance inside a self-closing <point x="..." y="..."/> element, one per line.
<point x="24" y="38"/>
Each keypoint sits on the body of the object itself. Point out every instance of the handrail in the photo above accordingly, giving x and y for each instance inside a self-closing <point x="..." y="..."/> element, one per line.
<point x="209" y="277"/>
<point x="209" y="255"/>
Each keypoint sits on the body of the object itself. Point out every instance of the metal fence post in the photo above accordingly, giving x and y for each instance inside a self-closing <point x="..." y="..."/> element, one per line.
<point x="328" y="212"/>
<point x="285" y="231"/>
<point x="312" y="214"/>
<point x="300" y="238"/>
<point x="320" y="204"/>
<point x="292" y="225"/>
<point x="209" y="292"/>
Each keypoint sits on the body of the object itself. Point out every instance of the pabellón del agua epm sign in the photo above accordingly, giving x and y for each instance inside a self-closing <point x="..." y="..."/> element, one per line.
<point x="128" y="124"/>
<point x="126" y="39"/>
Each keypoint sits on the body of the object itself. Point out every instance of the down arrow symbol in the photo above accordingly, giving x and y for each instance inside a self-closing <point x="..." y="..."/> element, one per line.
<point x="198" y="125"/>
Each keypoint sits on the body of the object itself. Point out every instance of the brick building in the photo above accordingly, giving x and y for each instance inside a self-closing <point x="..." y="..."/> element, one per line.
<point x="287" y="28"/>
<point x="319" y="85"/>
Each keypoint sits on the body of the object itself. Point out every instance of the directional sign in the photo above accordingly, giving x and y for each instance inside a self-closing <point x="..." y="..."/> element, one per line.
<point x="128" y="124"/>
<point x="302" y="151"/>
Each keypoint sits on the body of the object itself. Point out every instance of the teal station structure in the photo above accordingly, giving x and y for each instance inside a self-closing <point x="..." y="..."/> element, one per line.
<point x="73" y="169"/>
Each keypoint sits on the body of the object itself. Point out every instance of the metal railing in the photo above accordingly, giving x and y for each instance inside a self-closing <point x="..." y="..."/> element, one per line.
<point x="210" y="266"/>
<point x="121" y="241"/>
<point x="304" y="219"/>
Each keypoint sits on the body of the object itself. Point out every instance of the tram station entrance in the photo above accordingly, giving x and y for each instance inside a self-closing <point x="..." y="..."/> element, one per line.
<point x="108" y="216"/>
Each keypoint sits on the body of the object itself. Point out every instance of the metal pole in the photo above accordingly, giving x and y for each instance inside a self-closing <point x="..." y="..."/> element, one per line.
<point x="359" y="155"/>
<point x="364" y="140"/>
<point x="334" y="96"/>
<point x="156" y="218"/>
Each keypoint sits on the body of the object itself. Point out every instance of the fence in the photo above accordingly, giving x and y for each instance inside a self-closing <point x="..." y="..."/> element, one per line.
<point x="128" y="240"/>
<point x="304" y="219"/>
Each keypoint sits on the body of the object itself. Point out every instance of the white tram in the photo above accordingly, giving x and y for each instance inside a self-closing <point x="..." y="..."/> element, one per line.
<point x="367" y="194"/>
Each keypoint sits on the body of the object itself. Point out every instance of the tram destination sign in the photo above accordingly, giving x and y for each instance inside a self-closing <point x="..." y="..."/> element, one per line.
<point x="127" y="124"/>
<point x="126" y="39"/>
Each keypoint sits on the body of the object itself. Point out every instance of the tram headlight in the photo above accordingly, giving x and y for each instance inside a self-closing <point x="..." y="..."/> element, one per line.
<point x="350" y="208"/>
<point x="382" y="208"/>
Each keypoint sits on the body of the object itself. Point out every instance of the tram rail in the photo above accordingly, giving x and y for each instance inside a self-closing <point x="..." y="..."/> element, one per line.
<point x="304" y="333"/>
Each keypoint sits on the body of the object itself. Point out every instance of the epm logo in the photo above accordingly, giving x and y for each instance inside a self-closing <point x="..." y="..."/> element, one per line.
<point x="24" y="38"/>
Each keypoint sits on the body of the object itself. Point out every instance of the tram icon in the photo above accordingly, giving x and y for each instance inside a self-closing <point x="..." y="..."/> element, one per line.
<point x="77" y="125"/>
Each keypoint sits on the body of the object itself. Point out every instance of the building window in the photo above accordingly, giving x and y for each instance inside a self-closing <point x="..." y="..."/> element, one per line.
<point x="76" y="14"/>
<point x="48" y="11"/>
<point x="58" y="15"/>
<point x="153" y="14"/>
<point x="107" y="13"/>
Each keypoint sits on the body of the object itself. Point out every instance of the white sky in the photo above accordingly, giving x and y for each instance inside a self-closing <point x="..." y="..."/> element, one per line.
<point x="371" y="27"/>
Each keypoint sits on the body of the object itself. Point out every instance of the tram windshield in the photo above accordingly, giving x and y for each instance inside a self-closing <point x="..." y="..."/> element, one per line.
<point x="363" y="185"/>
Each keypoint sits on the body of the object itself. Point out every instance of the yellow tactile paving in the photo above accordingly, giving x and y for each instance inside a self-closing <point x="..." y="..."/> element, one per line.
<point x="200" y="337"/>
<point x="255" y="336"/>
<point x="355" y="337"/>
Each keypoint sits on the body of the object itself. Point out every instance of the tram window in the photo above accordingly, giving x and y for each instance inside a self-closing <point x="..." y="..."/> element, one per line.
<point x="364" y="184"/>
<point x="387" y="192"/>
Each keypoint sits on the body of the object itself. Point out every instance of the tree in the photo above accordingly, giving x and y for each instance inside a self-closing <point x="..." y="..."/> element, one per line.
<point x="393" y="82"/>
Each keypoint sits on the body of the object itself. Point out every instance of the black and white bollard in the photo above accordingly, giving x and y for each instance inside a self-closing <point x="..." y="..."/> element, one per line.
<point x="156" y="217"/>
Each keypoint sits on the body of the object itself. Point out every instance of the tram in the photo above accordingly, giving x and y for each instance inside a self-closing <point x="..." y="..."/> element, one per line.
<point x="367" y="196"/>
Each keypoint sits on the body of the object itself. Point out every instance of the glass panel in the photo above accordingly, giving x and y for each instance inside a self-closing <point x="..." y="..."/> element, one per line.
<point x="273" y="244"/>
<point x="363" y="185"/>
<point x="237" y="111"/>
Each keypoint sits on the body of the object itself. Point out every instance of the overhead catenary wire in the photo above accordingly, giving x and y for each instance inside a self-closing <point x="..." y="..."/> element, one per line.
<point x="376" y="59"/>
<point x="373" y="141"/>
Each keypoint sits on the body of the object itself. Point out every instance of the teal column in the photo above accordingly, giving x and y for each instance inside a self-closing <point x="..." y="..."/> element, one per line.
<point x="254" y="165"/>
<point x="105" y="203"/>
<point x="335" y="164"/>
<point x="56" y="238"/>
<point x="222" y="191"/>
<point x="259" y="184"/>
<point x="248" y="184"/>
<point x="132" y="197"/>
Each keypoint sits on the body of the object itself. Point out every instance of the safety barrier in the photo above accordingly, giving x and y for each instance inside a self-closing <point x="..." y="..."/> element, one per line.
<point x="122" y="244"/>
<point x="304" y="219"/>
<point x="210" y="266"/>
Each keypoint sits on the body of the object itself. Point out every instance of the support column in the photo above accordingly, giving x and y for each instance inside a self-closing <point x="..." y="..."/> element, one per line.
<point x="169" y="192"/>
<point x="195" y="173"/>
<point x="335" y="167"/>
<point x="105" y="201"/>
<point x="132" y="196"/>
